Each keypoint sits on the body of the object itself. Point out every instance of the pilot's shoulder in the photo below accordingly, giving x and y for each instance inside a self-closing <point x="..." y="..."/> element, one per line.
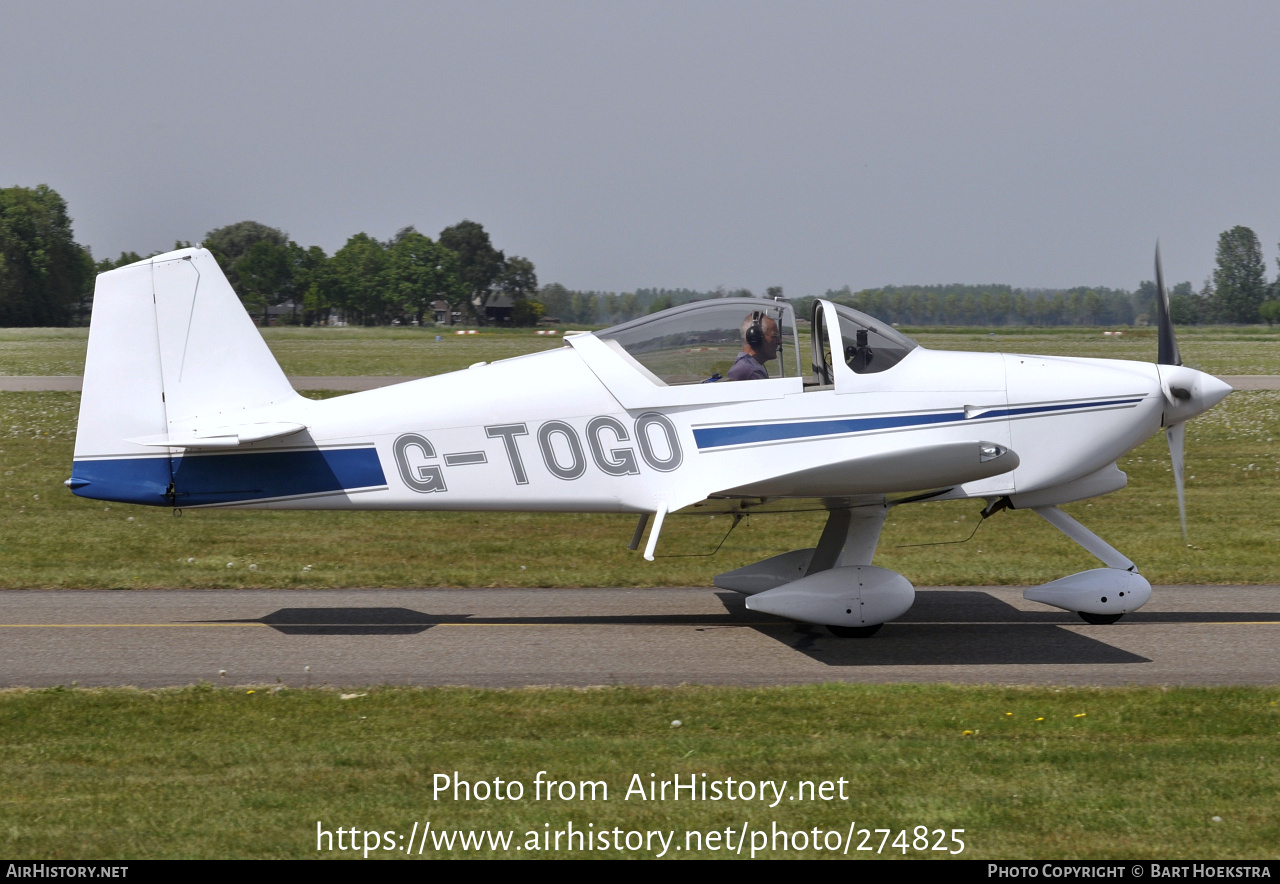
<point x="747" y="368"/>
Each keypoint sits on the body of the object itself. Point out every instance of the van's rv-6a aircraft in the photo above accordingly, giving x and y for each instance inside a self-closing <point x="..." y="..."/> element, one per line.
<point x="184" y="406"/>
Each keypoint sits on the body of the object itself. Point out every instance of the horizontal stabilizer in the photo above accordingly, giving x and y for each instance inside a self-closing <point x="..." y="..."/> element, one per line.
<point x="909" y="469"/>
<point x="223" y="437"/>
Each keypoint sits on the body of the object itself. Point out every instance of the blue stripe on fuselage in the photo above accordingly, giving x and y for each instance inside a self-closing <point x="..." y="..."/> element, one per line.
<point x="749" y="434"/>
<point x="205" y="479"/>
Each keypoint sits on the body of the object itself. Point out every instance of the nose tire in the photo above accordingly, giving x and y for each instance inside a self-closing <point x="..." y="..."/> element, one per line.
<point x="854" y="631"/>
<point x="1099" y="619"/>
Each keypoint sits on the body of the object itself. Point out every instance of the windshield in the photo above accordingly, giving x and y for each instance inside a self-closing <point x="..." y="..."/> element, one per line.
<point x="867" y="345"/>
<point x="701" y="342"/>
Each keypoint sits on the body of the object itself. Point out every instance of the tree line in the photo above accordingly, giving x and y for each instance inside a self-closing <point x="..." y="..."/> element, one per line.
<point x="46" y="278"/>
<point x="1236" y="293"/>
<point x="367" y="281"/>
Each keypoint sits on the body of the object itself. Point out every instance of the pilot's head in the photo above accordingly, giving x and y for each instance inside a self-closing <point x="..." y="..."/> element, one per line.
<point x="760" y="336"/>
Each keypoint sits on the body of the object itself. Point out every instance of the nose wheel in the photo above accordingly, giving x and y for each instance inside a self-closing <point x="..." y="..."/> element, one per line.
<point x="1098" y="619"/>
<point x="854" y="631"/>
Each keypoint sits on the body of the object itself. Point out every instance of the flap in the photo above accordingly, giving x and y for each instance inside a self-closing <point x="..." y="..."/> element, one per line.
<point x="908" y="469"/>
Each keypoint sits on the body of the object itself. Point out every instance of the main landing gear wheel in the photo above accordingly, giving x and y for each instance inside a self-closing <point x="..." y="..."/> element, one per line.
<point x="854" y="631"/>
<point x="1098" y="619"/>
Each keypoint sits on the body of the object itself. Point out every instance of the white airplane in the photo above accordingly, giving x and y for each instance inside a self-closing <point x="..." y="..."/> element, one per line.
<point x="184" y="406"/>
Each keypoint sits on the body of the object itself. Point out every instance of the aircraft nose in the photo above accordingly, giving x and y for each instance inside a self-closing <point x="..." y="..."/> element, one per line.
<point x="1188" y="392"/>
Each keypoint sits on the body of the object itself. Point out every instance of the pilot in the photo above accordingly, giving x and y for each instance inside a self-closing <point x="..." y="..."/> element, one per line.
<point x="760" y="340"/>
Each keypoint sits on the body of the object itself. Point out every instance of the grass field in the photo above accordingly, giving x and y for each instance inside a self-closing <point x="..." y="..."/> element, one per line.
<point x="1040" y="773"/>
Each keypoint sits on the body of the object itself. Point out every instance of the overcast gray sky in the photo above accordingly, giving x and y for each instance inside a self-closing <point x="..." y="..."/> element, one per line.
<point x="623" y="145"/>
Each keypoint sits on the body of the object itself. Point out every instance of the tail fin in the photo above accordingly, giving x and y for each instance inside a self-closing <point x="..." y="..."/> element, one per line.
<point x="171" y="351"/>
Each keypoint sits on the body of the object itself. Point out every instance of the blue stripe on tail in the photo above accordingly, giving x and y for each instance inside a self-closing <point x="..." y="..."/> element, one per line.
<point x="200" y="480"/>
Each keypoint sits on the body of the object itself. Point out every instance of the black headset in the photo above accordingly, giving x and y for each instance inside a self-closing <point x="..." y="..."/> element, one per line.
<point x="755" y="332"/>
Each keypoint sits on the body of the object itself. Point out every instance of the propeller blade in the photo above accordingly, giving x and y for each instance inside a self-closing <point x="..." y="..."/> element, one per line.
<point x="1176" y="435"/>
<point x="1168" y="352"/>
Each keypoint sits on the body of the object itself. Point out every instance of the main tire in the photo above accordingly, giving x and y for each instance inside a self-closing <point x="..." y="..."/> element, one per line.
<point x="1099" y="619"/>
<point x="854" y="631"/>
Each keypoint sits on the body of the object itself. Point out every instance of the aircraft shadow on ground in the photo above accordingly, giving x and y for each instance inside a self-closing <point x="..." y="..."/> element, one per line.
<point x="405" y="621"/>
<point x="943" y="628"/>
<point x="955" y="628"/>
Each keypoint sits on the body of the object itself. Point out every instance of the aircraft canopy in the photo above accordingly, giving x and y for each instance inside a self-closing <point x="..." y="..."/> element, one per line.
<point x="698" y="343"/>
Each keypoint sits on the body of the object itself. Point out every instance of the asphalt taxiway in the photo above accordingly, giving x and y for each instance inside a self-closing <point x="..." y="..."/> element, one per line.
<point x="1186" y="635"/>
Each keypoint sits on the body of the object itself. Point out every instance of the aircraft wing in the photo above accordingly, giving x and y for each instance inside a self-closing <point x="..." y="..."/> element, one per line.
<point x="910" y="469"/>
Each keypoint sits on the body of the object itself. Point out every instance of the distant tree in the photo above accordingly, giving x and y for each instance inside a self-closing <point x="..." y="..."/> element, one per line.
<point x="803" y="307"/>
<point x="1144" y="300"/>
<point x="44" y="273"/>
<point x="629" y="305"/>
<point x="265" y="275"/>
<point x="358" y="283"/>
<point x="232" y="243"/>
<point x="645" y="297"/>
<point x="479" y="263"/>
<point x="773" y="291"/>
<point x="421" y="272"/>
<point x="1270" y="311"/>
<point x="527" y="312"/>
<point x="1275" y="286"/>
<point x="125" y="259"/>
<point x="555" y="298"/>
<point x="586" y="308"/>
<point x="403" y="233"/>
<point x="1240" y="278"/>
<point x="1186" y="306"/>
<point x="518" y="280"/>
<point x="310" y="270"/>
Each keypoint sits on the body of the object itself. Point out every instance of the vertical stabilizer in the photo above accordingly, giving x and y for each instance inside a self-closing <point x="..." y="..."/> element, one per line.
<point x="171" y="350"/>
<point x="214" y="363"/>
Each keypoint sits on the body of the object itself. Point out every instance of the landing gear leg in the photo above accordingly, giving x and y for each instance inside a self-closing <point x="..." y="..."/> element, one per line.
<point x="849" y="538"/>
<point x="1100" y="596"/>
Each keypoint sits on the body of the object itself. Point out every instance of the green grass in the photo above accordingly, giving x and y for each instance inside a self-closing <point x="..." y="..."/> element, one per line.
<point x="414" y="352"/>
<point x="50" y="538"/>
<point x="42" y="351"/>
<point x="1072" y="773"/>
